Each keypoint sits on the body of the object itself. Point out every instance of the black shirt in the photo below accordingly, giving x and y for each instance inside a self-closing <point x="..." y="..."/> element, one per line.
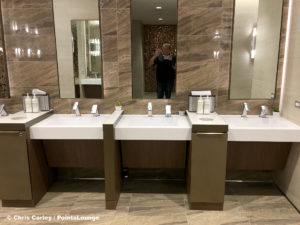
<point x="164" y="70"/>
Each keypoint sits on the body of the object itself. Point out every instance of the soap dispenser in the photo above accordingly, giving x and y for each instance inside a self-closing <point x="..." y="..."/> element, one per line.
<point x="207" y="105"/>
<point x="35" y="104"/>
<point x="28" y="104"/>
<point x="200" y="106"/>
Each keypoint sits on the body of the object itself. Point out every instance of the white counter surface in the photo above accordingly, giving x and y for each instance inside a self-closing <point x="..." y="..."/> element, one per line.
<point x="20" y="117"/>
<point x="157" y="127"/>
<point x="68" y="127"/>
<point x="254" y="128"/>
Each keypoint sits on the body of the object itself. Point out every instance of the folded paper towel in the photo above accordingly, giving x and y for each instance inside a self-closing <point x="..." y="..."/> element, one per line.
<point x="38" y="92"/>
<point x="200" y="93"/>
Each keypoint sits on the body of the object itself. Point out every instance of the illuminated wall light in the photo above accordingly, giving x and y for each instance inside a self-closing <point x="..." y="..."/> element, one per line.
<point x="1" y="49"/>
<point x="160" y="19"/>
<point x="286" y="51"/>
<point x="14" y="26"/>
<point x="253" y="44"/>
<point x="158" y="7"/>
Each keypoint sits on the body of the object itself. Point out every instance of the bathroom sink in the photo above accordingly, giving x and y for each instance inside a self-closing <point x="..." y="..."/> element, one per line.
<point x="206" y="119"/>
<point x="91" y="81"/>
<point x="69" y="126"/>
<point x="254" y="128"/>
<point x="157" y="127"/>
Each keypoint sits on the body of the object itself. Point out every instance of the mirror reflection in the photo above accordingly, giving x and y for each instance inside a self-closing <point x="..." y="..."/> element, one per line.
<point x="78" y="48"/>
<point x="255" y="49"/>
<point x="4" y="93"/>
<point x="154" y="46"/>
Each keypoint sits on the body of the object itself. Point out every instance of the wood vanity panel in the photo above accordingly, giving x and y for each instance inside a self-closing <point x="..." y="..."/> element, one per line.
<point x="74" y="153"/>
<point x="257" y="155"/>
<point x="153" y="154"/>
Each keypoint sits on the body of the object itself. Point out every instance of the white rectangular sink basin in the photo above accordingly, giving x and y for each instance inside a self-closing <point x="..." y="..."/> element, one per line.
<point x="254" y="128"/>
<point x="91" y="81"/>
<point x="157" y="127"/>
<point x="69" y="126"/>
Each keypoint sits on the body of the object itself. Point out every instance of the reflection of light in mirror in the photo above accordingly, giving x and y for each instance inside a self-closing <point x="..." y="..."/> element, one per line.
<point x="18" y="52"/>
<point x="39" y="53"/>
<point x="1" y="49"/>
<point x="36" y="31"/>
<point x="26" y="28"/>
<point x="216" y="54"/>
<point x="96" y="52"/>
<point x="29" y="53"/>
<point x="14" y="26"/>
<point x="217" y="35"/>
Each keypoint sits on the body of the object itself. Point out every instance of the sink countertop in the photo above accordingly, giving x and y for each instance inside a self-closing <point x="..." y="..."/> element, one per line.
<point x="157" y="127"/>
<point x="69" y="126"/>
<point x="254" y="128"/>
<point x="207" y="123"/>
<point x="21" y="120"/>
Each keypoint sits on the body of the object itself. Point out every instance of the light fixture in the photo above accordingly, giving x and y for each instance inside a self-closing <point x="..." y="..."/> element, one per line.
<point x="158" y="7"/>
<point x="160" y="19"/>
<point x="253" y="43"/>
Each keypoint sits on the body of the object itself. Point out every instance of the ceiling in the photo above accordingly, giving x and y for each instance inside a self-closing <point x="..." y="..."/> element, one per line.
<point x="144" y="11"/>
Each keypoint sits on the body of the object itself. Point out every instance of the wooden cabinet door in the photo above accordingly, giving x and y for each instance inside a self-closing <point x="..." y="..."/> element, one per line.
<point x="207" y="167"/>
<point x="14" y="166"/>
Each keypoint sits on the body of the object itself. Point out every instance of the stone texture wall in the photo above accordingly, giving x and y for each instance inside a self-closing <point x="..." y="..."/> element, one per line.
<point x="198" y="21"/>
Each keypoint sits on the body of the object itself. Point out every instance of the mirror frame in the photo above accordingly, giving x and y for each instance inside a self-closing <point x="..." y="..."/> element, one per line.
<point x="278" y="61"/>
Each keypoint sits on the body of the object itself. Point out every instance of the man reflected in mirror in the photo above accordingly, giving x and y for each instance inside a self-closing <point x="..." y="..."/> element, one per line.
<point x="165" y="70"/>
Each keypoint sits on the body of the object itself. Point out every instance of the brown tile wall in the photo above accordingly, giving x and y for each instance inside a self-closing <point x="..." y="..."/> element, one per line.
<point x="197" y="69"/>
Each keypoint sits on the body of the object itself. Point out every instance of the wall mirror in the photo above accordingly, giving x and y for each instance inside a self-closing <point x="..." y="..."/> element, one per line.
<point x="255" y="48"/>
<point x="77" y="31"/>
<point x="4" y="88"/>
<point x="154" y="45"/>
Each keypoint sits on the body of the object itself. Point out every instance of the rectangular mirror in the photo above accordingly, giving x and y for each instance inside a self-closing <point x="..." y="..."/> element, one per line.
<point x="255" y="48"/>
<point x="4" y="89"/>
<point x="78" y="42"/>
<point x="154" y="46"/>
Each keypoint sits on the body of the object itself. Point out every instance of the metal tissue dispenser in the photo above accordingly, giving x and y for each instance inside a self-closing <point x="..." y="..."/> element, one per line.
<point x="193" y="102"/>
<point x="44" y="101"/>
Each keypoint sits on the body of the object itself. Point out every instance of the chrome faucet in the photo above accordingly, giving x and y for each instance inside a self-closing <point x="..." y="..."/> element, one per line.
<point x="76" y="109"/>
<point x="149" y="109"/>
<point x="3" y="111"/>
<point x="264" y="111"/>
<point x="168" y="111"/>
<point x="95" y="111"/>
<point x="245" y="109"/>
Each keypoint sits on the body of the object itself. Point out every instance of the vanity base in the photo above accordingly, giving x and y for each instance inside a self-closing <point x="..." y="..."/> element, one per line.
<point x="111" y="205"/>
<point x="205" y="206"/>
<point x="19" y="203"/>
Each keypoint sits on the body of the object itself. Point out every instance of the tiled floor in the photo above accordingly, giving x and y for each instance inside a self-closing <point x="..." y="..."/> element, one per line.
<point x="157" y="202"/>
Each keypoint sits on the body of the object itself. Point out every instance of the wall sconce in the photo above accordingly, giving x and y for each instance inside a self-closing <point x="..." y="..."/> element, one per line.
<point x="253" y="43"/>
<point x="216" y="54"/>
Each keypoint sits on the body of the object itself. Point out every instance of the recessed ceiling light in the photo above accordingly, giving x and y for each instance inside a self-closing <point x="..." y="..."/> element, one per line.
<point x="160" y="19"/>
<point x="158" y="7"/>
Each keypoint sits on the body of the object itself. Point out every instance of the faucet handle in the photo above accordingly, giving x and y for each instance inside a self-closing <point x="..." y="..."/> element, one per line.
<point x="149" y="105"/>
<point x="246" y="106"/>
<point x="75" y="106"/>
<point x="168" y="110"/>
<point x="94" y="110"/>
